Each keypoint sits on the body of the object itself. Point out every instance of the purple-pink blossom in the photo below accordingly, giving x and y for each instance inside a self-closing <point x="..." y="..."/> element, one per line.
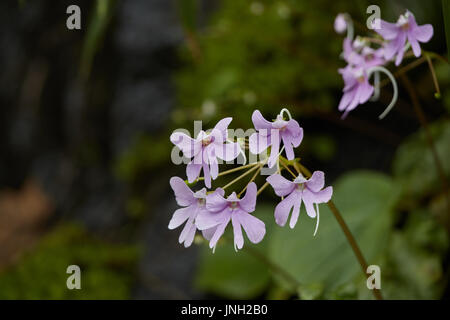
<point x="272" y="133"/>
<point x="310" y="191"/>
<point x="357" y="89"/>
<point x="220" y="211"/>
<point x="359" y="54"/>
<point x="340" y="23"/>
<point x="192" y="205"/>
<point x="406" y="29"/>
<point x="205" y="150"/>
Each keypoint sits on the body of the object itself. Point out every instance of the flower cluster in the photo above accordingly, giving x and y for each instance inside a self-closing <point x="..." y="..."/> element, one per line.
<point x="210" y="211"/>
<point x="368" y="55"/>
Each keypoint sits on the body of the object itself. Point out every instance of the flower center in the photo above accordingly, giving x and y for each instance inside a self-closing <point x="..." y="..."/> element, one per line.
<point x="201" y="202"/>
<point x="234" y="205"/>
<point x="360" y="79"/>
<point x="207" y="141"/>
<point x="300" y="186"/>
<point x="403" y="22"/>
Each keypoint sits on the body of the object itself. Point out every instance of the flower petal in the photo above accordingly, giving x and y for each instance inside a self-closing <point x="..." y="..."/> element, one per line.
<point x="423" y="33"/>
<point x="295" y="214"/>
<point x="219" y="232"/>
<point x="401" y="43"/>
<point x="259" y="122"/>
<point x="388" y="31"/>
<point x="187" y="145"/>
<point x="316" y="182"/>
<point x="222" y="126"/>
<point x="280" y="184"/>
<point x="254" y="228"/>
<point x="238" y="238"/>
<point x="227" y="151"/>
<point x="206" y="175"/>
<point x="248" y="202"/>
<point x="193" y="171"/>
<point x="355" y="102"/>
<point x="186" y="230"/>
<point x="214" y="168"/>
<point x="190" y="236"/>
<point x="295" y="131"/>
<point x="324" y="195"/>
<point x="180" y="216"/>
<point x="391" y="49"/>
<point x="206" y="220"/>
<point x="275" y="150"/>
<point x="414" y="44"/>
<point x="183" y="194"/>
<point x="258" y="142"/>
<point x="215" y="202"/>
<point x="283" y="209"/>
<point x="309" y="200"/>
<point x="288" y="146"/>
<point x="208" y="233"/>
<point x="366" y="92"/>
<point x="347" y="97"/>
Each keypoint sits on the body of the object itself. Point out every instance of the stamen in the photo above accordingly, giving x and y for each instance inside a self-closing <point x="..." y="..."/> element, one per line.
<point x="300" y="186"/>
<point x="207" y="141"/>
<point x="233" y="205"/>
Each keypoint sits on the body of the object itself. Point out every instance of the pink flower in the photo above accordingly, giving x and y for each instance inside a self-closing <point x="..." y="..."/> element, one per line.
<point x="220" y="211"/>
<point x="340" y="23"/>
<point x="308" y="190"/>
<point x="205" y="150"/>
<point x="359" y="54"/>
<point x="406" y="28"/>
<point x="272" y="133"/>
<point x="357" y="89"/>
<point x="193" y="204"/>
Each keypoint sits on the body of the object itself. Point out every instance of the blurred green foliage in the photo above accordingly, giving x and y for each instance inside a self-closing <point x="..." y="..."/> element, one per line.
<point x="103" y="11"/>
<point x="237" y="275"/>
<point x="327" y="258"/>
<point x="263" y="54"/>
<point x="414" y="165"/>
<point x="145" y="154"/>
<point x="107" y="270"/>
<point x="410" y="259"/>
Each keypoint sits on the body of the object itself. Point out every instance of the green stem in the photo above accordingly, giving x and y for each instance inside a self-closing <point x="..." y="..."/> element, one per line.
<point x="240" y="177"/>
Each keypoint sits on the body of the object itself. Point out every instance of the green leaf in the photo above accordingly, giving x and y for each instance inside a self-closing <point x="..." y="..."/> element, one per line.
<point x="365" y="200"/>
<point x="310" y="291"/>
<point x="235" y="275"/>
<point x="414" y="166"/>
<point x="97" y="28"/>
<point x="108" y="270"/>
